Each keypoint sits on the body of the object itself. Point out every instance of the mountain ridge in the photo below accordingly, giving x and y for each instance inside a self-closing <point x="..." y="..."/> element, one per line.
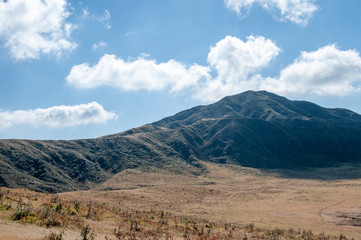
<point x="252" y="129"/>
<point x="223" y="107"/>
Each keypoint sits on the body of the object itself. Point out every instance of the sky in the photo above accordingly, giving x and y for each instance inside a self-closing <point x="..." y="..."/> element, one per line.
<point x="84" y="69"/>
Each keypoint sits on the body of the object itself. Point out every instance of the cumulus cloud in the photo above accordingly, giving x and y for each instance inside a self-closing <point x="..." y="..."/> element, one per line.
<point x="326" y="71"/>
<point x="296" y="11"/>
<point x="58" y="116"/>
<point x="235" y="61"/>
<point x="234" y="66"/>
<point x="30" y="28"/>
<point x="133" y="75"/>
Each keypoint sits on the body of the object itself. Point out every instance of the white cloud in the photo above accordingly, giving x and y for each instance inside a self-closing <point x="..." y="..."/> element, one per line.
<point x="30" y="28"/>
<point x="127" y="34"/>
<point x="234" y="66"/>
<point x="85" y="12"/>
<point x="106" y="20"/>
<point x="296" y="11"/>
<point x="58" y="116"/>
<point x="133" y="75"/>
<point x="99" y="45"/>
<point x="234" y="61"/>
<point x="327" y="71"/>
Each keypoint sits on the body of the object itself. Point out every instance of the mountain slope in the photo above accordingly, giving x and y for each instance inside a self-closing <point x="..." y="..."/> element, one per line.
<point x="253" y="129"/>
<point x="261" y="129"/>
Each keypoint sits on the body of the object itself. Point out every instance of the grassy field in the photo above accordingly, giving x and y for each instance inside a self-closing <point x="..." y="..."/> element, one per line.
<point x="228" y="202"/>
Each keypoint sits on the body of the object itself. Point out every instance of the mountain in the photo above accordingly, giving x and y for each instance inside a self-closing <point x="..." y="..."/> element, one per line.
<point x="252" y="129"/>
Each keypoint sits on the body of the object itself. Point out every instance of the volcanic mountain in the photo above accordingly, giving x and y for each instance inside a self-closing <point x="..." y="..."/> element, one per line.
<point x="251" y="129"/>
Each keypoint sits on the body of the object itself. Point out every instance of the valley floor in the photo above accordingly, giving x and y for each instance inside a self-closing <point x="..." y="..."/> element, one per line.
<point x="229" y="196"/>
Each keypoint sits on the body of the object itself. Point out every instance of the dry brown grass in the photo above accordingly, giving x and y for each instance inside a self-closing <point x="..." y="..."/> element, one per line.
<point x="226" y="203"/>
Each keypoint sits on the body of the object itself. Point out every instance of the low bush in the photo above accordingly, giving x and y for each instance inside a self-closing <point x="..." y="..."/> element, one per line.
<point x="54" y="236"/>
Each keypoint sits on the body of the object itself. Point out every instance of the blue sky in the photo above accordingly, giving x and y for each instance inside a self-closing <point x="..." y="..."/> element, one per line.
<point x="83" y="69"/>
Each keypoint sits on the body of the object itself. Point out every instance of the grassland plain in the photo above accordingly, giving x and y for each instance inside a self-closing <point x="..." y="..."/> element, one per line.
<point x="228" y="202"/>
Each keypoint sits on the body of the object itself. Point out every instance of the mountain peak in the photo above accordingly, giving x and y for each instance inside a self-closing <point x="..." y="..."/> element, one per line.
<point x="261" y="105"/>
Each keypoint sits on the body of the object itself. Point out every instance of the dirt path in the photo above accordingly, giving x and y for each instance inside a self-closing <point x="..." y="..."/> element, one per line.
<point x="320" y="212"/>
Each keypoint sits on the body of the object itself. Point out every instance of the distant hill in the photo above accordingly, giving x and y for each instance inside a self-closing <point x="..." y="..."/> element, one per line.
<point x="252" y="129"/>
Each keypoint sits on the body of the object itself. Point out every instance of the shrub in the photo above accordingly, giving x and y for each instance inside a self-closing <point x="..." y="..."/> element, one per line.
<point x="5" y="207"/>
<point x="250" y="227"/>
<point x="18" y="215"/>
<point x="54" y="236"/>
<point x="76" y="205"/>
<point x="86" y="233"/>
<point x="23" y="210"/>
